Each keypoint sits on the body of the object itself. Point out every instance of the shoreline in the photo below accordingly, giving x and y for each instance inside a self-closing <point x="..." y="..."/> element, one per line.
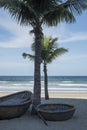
<point x="77" y="95"/>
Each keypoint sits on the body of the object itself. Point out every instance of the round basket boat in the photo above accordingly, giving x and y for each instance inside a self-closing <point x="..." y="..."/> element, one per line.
<point x="15" y="105"/>
<point x="56" y="112"/>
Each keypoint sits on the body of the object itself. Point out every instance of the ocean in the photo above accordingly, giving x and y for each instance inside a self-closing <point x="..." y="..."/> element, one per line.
<point x="55" y="83"/>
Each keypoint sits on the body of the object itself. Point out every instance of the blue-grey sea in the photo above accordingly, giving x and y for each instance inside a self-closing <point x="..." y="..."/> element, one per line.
<point x="55" y="83"/>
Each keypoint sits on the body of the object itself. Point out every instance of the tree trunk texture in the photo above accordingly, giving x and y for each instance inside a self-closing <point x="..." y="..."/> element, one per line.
<point x="37" y="63"/>
<point x="46" y="82"/>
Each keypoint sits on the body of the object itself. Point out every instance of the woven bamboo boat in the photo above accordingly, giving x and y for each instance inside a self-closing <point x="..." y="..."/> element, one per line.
<point x="15" y="105"/>
<point x="56" y="112"/>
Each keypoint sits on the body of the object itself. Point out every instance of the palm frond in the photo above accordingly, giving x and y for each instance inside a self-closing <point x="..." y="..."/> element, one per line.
<point x="64" y="11"/>
<point x="76" y="6"/>
<point x="24" y="55"/>
<point x="31" y="57"/>
<point x="50" y="49"/>
<point x="55" y="17"/>
<point x="33" y="46"/>
<point x="50" y="12"/>
<point x="56" y="53"/>
<point x="18" y="9"/>
<point x="52" y="45"/>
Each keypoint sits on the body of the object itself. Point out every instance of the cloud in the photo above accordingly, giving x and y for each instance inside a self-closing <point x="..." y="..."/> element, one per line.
<point x="65" y="35"/>
<point x="19" y="35"/>
<point x="74" y="57"/>
<point x="73" y="37"/>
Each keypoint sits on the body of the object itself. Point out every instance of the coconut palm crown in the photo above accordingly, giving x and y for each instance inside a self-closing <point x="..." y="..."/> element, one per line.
<point x="36" y="13"/>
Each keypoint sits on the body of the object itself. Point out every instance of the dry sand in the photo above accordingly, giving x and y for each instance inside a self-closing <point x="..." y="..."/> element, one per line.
<point x="28" y="122"/>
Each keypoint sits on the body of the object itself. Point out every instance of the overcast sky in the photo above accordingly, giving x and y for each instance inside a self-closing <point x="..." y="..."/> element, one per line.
<point x="15" y="39"/>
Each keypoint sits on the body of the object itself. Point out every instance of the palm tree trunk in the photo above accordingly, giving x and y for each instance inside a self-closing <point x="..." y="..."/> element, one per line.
<point x="46" y="82"/>
<point x="37" y="75"/>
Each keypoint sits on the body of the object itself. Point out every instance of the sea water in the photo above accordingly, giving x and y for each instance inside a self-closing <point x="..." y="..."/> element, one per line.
<point x="55" y="83"/>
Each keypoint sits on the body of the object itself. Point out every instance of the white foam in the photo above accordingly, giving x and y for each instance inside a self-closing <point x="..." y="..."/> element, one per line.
<point x="73" y="85"/>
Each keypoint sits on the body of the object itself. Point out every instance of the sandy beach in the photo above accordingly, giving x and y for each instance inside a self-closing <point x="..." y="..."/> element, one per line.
<point x="28" y="122"/>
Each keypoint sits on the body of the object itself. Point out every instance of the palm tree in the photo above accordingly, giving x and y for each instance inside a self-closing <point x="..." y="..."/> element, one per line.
<point x="49" y="51"/>
<point x="36" y="13"/>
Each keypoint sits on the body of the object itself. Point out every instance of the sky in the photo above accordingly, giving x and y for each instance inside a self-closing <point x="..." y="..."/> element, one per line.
<point x="15" y="39"/>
